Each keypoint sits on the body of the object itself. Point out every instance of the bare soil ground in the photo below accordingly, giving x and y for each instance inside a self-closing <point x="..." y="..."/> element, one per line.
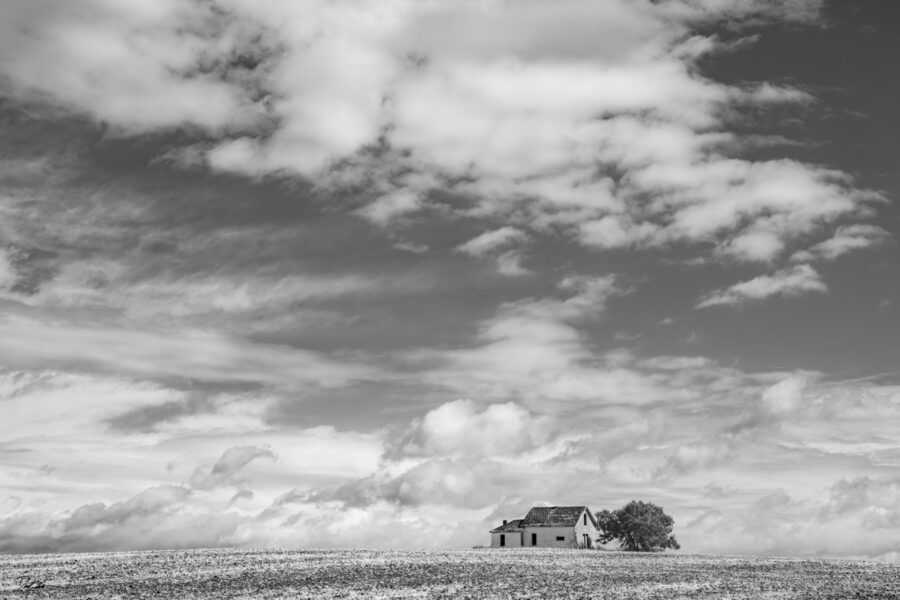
<point x="472" y="574"/>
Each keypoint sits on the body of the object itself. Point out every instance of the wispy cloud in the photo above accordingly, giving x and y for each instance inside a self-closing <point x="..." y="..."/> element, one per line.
<point x="845" y="240"/>
<point x="190" y="355"/>
<point x="490" y="241"/>
<point x="787" y="283"/>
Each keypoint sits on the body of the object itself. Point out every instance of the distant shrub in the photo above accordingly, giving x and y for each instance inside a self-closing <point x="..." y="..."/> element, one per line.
<point x="639" y="526"/>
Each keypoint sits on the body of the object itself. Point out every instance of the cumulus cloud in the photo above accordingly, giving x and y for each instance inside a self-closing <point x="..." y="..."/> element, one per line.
<point x="164" y="66"/>
<point x="756" y="245"/>
<point x="139" y="522"/>
<point x="458" y="483"/>
<point x="462" y="428"/>
<point x="155" y="518"/>
<point x="145" y="504"/>
<point x="787" y="283"/>
<point x="462" y="455"/>
<point x="786" y="396"/>
<point x="616" y="231"/>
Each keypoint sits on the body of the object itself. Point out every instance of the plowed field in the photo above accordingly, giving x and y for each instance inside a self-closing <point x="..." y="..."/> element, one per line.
<point x="474" y="574"/>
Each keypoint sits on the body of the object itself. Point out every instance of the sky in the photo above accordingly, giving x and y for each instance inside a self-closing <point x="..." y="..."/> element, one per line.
<point x="382" y="274"/>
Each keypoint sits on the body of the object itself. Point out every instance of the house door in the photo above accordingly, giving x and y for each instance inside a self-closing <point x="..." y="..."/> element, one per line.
<point x="534" y="539"/>
<point x="502" y="539"/>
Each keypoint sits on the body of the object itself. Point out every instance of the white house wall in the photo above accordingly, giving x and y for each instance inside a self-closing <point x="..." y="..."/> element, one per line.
<point x="513" y="539"/>
<point x="581" y="528"/>
<point x="546" y="537"/>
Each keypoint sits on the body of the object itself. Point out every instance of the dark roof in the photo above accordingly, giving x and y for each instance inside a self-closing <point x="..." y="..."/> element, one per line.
<point x="514" y="525"/>
<point x="556" y="516"/>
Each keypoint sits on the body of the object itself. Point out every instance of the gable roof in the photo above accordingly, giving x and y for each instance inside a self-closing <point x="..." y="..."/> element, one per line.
<point x="514" y="525"/>
<point x="556" y="516"/>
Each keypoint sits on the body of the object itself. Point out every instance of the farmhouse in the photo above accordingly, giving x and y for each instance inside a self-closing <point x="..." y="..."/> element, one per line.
<point x="549" y="527"/>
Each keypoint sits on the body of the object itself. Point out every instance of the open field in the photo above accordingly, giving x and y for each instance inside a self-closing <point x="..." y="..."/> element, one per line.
<point x="473" y="574"/>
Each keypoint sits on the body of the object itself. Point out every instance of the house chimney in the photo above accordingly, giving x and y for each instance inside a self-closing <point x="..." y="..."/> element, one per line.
<point x="504" y="522"/>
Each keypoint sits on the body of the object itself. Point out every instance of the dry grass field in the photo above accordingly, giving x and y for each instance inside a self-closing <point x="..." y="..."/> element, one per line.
<point x="473" y="574"/>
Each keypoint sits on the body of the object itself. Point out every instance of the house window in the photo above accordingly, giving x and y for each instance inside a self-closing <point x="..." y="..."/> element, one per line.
<point x="502" y="539"/>
<point x="534" y="539"/>
<point x="560" y="538"/>
<point x="585" y="518"/>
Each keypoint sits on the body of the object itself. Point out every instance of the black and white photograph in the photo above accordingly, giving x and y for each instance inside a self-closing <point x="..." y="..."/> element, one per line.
<point x="477" y="299"/>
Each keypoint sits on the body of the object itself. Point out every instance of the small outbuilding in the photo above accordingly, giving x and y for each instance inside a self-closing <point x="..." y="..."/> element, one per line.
<point x="549" y="527"/>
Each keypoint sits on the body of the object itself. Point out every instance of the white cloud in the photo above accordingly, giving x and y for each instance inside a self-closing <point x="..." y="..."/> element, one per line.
<point x="490" y="241"/>
<point x="459" y="96"/>
<point x="846" y="239"/>
<point x="462" y="428"/>
<point x="534" y="350"/>
<point x="616" y="232"/>
<point x="783" y="197"/>
<point x="157" y="517"/>
<point x="55" y="403"/>
<point x="786" y="396"/>
<point x="767" y="93"/>
<point x="412" y="247"/>
<point x="510" y="264"/>
<point x="328" y="87"/>
<point x="7" y="272"/>
<point x="787" y="283"/>
<point x="758" y="245"/>
<point x="76" y="286"/>
<point x="738" y="10"/>
<point x="139" y="69"/>
<point x="195" y="354"/>
<point x="387" y="208"/>
<point x="224" y="472"/>
<point x="495" y="114"/>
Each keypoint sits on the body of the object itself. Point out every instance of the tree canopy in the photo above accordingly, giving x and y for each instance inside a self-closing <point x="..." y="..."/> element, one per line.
<point x="639" y="526"/>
